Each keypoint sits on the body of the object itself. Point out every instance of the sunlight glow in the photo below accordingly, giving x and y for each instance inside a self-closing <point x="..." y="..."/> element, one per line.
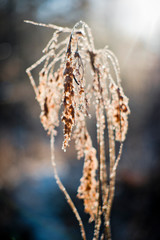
<point x="139" y="16"/>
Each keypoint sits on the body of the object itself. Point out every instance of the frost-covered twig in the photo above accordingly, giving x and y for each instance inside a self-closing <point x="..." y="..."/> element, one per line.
<point x="62" y="81"/>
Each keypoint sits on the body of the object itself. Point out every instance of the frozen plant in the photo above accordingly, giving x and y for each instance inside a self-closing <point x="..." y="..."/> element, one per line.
<point x="68" y="60"/>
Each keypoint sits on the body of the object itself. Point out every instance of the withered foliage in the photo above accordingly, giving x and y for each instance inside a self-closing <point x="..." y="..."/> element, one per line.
<point x="65" y="80"/>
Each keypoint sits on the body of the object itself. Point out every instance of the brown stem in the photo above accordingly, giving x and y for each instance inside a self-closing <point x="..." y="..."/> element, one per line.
<point x="98" y="219"/>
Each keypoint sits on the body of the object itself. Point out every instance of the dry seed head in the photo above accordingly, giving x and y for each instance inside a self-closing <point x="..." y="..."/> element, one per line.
<point x="69" y="111"/>
<point x="119" y="111"/>
<point x="88" y="187"/>
<point x="79" y="134"/>
<point x="49" y="97"/>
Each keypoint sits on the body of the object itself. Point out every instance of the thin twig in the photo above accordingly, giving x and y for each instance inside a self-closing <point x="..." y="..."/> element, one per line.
<point x="65" y="29"/>
<point x="62" y="188"/>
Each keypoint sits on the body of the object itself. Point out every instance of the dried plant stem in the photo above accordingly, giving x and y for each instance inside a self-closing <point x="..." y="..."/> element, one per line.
<point x="48" y="26"/>
<point x="103" y="173"/>
<point x="62" y="188"/>
<point x="28" y="70"/>
<point x="97" y="225"/>
<point x="113" y="167"/>
<point x="99" y="211"/>
<point x="111" y="195"/>
<point x="117" y="161"/>
<point x="111" y="180"/>
<point x="62" y="80"/>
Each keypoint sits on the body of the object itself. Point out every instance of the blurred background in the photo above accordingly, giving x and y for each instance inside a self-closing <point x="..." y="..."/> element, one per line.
<point x="31" y="205"/>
